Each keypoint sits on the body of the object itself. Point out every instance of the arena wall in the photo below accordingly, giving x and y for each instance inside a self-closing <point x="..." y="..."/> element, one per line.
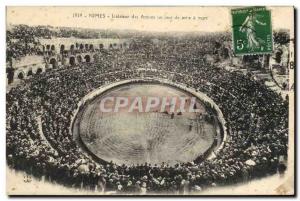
<point x="210" y="154"/>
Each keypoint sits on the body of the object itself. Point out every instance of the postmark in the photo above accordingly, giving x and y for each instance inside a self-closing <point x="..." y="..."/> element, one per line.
<point x="252" y="31"/>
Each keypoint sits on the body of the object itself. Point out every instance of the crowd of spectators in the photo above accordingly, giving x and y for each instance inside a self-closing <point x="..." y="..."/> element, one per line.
<point x="40" y="113"/>
<point x="22" y="40"/>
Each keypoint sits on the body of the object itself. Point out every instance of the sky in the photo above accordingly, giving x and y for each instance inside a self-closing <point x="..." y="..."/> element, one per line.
<point x="207" y="19"/>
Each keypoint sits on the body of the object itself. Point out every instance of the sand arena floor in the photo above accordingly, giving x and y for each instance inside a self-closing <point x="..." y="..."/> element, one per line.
<point x="152" y="137"/>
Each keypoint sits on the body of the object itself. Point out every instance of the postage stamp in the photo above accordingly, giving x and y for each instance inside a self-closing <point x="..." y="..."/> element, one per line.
<point x="252" y="31"/>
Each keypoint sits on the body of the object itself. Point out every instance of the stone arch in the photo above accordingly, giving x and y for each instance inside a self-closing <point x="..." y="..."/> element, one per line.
<point x="53" y="62"/>
<point x="79" y="58"/>
<point x="21" y="75"/>
<point x="101" y="46"/>
<point x="48" y="47"/>
<point x="39" y="71"/>
<point x="278" y="55"/>
<point x="52" y="47"/>
<point x="110" y="46"/>
<point x="86" y="46"/>
<point x="91" y="47"/>
<point x="72" y="47"/>
<point x="226" y="53"/>
<point x="81" y="46"/>
<point x="10" y="75"/>
<point x="72" y="61"/>
<point x="87" y="58"/>
<point x="62" y="48"/>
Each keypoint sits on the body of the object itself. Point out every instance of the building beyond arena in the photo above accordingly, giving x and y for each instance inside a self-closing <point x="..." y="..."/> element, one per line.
<point x="58" y="52"/>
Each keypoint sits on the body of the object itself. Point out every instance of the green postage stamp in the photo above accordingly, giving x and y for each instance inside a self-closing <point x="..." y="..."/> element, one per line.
<point x="252" y="31"/>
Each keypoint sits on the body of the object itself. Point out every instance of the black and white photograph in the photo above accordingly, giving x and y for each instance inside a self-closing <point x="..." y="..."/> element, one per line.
<point x="150" y="101"/>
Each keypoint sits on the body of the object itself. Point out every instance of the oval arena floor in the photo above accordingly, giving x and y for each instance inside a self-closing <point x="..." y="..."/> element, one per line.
<point x="138" y="137"/>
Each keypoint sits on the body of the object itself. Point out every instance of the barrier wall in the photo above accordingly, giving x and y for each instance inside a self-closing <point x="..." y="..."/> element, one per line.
<point x="210" y="153"/>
